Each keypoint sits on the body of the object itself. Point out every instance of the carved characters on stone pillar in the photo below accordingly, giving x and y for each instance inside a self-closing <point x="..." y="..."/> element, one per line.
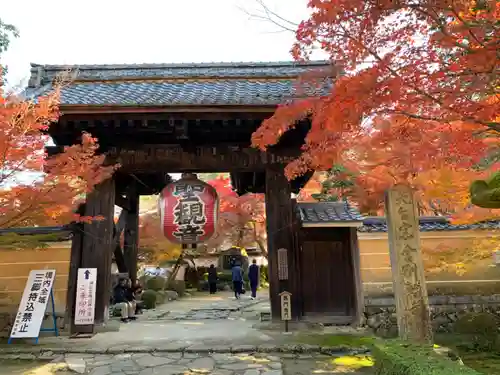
<point x="407" y="267"/>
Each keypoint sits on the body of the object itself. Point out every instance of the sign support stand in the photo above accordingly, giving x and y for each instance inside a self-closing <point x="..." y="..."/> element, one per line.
<point x="54" y="329"/>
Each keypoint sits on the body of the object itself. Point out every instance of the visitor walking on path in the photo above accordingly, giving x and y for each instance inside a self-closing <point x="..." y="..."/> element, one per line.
<point x="253" y="276"/>
<point x="237" y="274"/>
<point x="212" y="279"/>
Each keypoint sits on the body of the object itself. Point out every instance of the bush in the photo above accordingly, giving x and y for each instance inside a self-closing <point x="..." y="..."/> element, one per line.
<point x="205" y="276"/>
<point x="480" y="330"/>
<point x="264" y="277"/>
<point x="397" y="358"/>
<point x="149" y="298"/>
<point x="178" y="286"/>
<point x="143" y="280"/>
<point x="226" y="276"/>
<point x="155" y="283"/>
<point x="161" y="297"/>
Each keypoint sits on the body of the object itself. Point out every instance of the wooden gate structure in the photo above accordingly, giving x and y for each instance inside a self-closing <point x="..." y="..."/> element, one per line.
<point x="159" y="119"/>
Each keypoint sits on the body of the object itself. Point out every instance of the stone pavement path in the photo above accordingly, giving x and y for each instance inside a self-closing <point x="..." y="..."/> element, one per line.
<point x="197" y="363"/>
<point x="199" y="335"/>
<point x="202" y="319"/>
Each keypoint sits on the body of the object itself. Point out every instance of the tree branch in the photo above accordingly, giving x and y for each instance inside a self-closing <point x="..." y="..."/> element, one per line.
<point x="272" y="17"/>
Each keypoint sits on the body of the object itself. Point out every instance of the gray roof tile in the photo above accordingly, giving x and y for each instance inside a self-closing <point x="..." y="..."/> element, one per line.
<point x="327" y="212"/>
<point x="178" y="84"/>
<point x="334" y="212"/>
<point x="428" y="224"/>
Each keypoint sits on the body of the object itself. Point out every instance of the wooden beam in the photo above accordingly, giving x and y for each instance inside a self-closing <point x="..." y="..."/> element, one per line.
<point x="122" y="202"/>
<point x="295" y="266"/>
<point x="74" y="264"/>
<point x="358" y="284"/>
<point x="117" y="249"/>
<point x="86" y="109"/>
<point x="281" y="234"/>
<point x="131" y="234"/>
<point x="198" y="159"/>
<point x="98" y="243"/>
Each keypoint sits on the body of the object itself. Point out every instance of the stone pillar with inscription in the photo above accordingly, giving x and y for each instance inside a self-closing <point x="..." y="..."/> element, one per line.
<point x="410" y="291"/>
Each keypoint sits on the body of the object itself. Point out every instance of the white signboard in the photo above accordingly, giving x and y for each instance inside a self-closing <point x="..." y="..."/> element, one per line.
<point x="85" y="296"/>
<point x="286" y="305"/>
<point x="31" y="310"/>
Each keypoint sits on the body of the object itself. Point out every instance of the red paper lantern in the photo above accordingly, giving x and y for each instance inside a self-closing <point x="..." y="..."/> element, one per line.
<point x="189" y="210"/>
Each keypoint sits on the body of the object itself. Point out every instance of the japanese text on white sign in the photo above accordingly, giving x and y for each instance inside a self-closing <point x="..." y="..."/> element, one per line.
<point x="31" y="310"/>
<point x="85" y="296"/>
<point x="286" y="305"/>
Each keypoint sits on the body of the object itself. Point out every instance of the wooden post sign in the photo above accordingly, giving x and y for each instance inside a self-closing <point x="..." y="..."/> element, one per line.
<point x="286" y="307"/>
<point x="85" y="296"/>
<point x="282" y="264"/>
<point x="33" y="304"/>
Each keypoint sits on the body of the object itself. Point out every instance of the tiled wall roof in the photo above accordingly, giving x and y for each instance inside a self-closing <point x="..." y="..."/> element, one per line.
<point x="335" y="212"/>
<point x="327" y="212"/>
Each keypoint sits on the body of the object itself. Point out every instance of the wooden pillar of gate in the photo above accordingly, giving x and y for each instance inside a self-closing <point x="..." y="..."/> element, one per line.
<point x="74" y="264"/>
<point x="97" y="251"/>
<point x="282" y="242"/>
<point x="131" y="233"/>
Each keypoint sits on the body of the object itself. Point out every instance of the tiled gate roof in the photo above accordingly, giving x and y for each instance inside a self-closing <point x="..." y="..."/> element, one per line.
<point x="178" y="84"/>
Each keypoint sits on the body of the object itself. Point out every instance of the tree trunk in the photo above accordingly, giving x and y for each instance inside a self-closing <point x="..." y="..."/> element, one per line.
<point x="176" y="268"/>
<point x="258" y="241"/>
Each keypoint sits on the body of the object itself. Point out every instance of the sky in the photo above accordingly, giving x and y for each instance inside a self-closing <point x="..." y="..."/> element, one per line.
<point x="148" y="31"/>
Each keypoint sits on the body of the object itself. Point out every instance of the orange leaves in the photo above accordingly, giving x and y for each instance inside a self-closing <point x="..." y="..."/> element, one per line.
<point x="448" y="189"/>
<point x="418" y="90"/>
<point x="153" y="246"/>
<point x="241" y="218"/>
<point x="284" y="118"/>
<point x="28" y="196"/>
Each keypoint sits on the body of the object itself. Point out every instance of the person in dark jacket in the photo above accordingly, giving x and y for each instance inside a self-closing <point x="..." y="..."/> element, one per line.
<point x="212" y="279"/>
<point x="237" y="275"/>
<point x="122" y="299"/>
<point x="253" y="277"/>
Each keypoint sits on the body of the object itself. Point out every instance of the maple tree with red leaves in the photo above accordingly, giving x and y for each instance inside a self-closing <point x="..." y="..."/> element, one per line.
<point x="412" y="94"/>
<point x="34" y="189"/>
<point x="153" y="246"/>
<point x="241" y="218"/>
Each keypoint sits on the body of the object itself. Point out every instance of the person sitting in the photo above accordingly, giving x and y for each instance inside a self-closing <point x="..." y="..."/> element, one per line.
<point x="121" y="297"/>
<point x="137" y="290"/>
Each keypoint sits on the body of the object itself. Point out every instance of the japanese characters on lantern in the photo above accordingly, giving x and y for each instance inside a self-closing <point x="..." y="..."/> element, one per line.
<point x="188" y="210"/>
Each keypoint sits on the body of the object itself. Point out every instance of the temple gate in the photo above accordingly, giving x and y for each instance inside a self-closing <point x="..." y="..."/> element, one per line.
<point x="159" y="119"/>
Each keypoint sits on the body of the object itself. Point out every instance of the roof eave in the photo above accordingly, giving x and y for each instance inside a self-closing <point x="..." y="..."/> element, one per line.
<point x="337" y="224"/>
<point x="91" y="109"/>
<point x="242" y="64"/>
